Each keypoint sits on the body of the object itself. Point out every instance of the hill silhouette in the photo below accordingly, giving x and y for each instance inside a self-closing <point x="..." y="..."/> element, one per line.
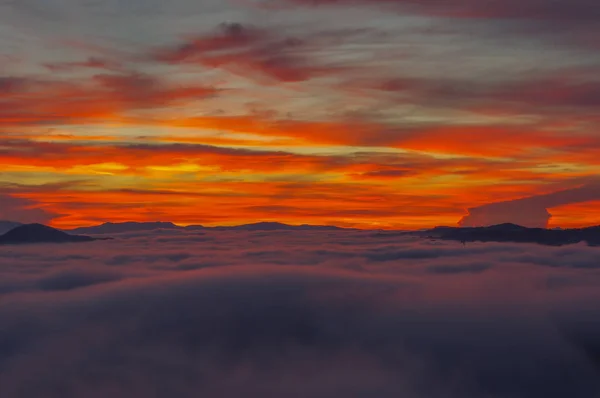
<point x="507" y="232"/>
<point x="277" y="226"/>
<point x="130" y="226"/>
<point x="6" y="226"/>
<point x="115" y="228"/>
<point x="38" y="233"/>
<point x="518" y="234"/>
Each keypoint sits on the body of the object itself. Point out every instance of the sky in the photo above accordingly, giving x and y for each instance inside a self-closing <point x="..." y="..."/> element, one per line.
<point x="365" y="113"/>
<point x="307" y="314"/>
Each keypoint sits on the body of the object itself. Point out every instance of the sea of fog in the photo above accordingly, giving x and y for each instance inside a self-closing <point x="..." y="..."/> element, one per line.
<point x="298" y="314"/>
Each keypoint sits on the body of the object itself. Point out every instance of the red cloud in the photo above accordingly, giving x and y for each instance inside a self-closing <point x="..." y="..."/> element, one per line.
<point x="247" y="51"/>
<point x="102" y="98"/>
<point x="90" y="63"/>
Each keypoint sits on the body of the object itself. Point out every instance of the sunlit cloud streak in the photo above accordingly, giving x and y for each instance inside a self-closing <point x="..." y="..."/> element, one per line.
<point x="421" y="109"/>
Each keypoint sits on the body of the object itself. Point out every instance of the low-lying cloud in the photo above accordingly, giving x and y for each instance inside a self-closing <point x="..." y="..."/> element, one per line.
<point x="299" y="314"/>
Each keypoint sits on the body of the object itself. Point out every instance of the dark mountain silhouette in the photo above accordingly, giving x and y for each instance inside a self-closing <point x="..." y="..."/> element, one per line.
<point x="276" y="226"/>
<point x="115" y="228"/>
<point x="507" y="227"/>
<point x="6" y="226"/>
<point x="38" y="233"/>
<point x="518" y="234"/>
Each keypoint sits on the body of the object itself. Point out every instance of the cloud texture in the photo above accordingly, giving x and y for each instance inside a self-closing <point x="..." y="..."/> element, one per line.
<point x="395" y="113"/>
<point x="303" y="314"/>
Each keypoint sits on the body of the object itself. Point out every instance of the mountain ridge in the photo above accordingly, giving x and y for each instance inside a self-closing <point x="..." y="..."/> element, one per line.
<point x="507" y="232"/>
<point x="517" y="234"/>
<point x="39" y="233"/>
<point x="6" y="226"/>
<point x="131" y="226"/>
<point x="128" y="226"/>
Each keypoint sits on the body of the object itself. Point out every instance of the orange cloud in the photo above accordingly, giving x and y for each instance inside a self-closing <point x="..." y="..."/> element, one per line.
<point x="234" y="203"/>
<point x="366" y="171"/>
<point x="104" y="99"/>
<point x="492" y="140"/>
<point x="575" y="215"/>
<point x="367" y="190"/>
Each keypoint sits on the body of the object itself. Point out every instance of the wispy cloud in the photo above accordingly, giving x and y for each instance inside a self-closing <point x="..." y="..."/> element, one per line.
<point x="250" y="51"/>
<point x="397" y="113"/>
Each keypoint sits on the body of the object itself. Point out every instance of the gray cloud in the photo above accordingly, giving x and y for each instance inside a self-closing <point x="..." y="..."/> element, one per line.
<point x="303" y="313"/>
<point x="573" y="18"/>
<point x="76" y="278"/>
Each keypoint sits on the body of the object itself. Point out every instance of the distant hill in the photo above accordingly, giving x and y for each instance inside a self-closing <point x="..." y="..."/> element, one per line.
<point x="518" y="234"/>
<point x="116" y="228"/>
<point x="38" y="233"/>
<point x="6" y="226"/>
<point x="276" y="226"/>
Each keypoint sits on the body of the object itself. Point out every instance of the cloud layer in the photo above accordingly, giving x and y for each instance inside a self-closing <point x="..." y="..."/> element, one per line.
<point x="307" y="314"/>
<point x="394" y="113"/>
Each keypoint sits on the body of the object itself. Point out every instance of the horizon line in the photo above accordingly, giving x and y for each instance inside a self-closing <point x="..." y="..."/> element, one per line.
<point x="457" y="225"/>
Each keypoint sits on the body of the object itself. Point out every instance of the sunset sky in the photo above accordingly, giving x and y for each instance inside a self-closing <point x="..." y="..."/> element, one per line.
<point x="365" y="113"/>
